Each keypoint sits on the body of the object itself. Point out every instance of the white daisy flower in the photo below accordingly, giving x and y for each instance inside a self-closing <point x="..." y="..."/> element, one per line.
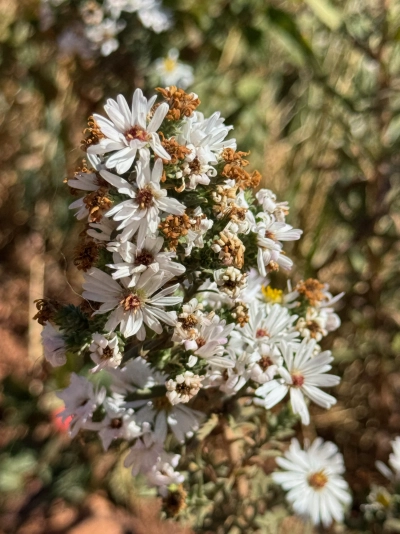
<point x="171" y="71"/>
<point x="230" y="281"/>
<point x="270" y="234"/>
<point x="200" y="226"/>
<point x="394" y="462"/>
<point x="81" y="400"/>
<point x="104" y="351"/>
<point x="104" y="35"/>
<point x="163" y="475"/>
<point x="303" y="375"/>
<point x="268" y="201"/>
<point x="210" y="342"/>
<point x="231" y="379"/>
<point x="147" y="200"/>
<point x="132" y="308"/>
<point x="183" y="388"/>
<point x="206" y="137"/>
<point x="127" y="131"/>
<point x="312" y="478"/>
<point x="266" y="365"/>
<point x="145" y="453"/>
<point x="267" y="324"/>
<point x="159" y="412"/>
<point x="53" y="345"/>
<point x="118" y="423"/>
<point x="130" y="260"/>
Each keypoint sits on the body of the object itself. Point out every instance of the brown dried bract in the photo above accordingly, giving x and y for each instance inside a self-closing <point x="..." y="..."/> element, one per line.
<point x="95" y="134"/>
<point x="97" y="202"/>
<point x="175" y="150"/>
<point x="234" y="169"/>
<point x="312" y="290"/>
<point x="174" y="227"/>
<point x="232" y="249"/>
<point x="241" y="314"/>
<point x="86" y="254"/>
<point x="181" y="104"/>
<point x="175" y="501"/>
<point x="47" y="308"/>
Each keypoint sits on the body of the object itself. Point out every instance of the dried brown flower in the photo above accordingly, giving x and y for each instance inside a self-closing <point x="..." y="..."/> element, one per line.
<point x="181" y="104"/>
<point x="234" y="169"/>
<point x="97" y="202"/>
<point x="86" y="254"/>
<point x="95" y="134"/>
<point x="312" y="290"/>
<point x="175" y="227"/>
<point x="241" y="313"/>
<point x="47" y="308"/>
<point x="175" y="501"/>
<point x="232" y="249"/>
<point x="174" y="149"/>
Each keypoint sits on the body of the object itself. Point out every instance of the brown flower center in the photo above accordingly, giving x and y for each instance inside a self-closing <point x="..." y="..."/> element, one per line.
<point x="144" y="257"/>
<point x="116" y="423"/>
<point x="314" y="328"/>
<point x="183" y="389"/>
<point x="318" y="480"/>
<point x="200" y="342"/>
<point x="188" y="322"/>
<point x="144" y="198"/>
<point x="108" y="353"/>
<point x="312" y="290"/>
<point x="270" y="235"/>
<point x="131" y="303"/>
<point x="136" y="132"/>
<point x="265" y="362"/>
<point x="262" y="332"/>
<point x="297" y="380"/>
<point x="195" y="166"/>
<point x="161" y="404"/>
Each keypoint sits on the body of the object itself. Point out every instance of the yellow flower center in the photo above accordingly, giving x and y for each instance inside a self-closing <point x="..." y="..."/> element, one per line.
<point x="318" y="480"/>
<point x="272" y="295"/>
<point x="169" y="64"/>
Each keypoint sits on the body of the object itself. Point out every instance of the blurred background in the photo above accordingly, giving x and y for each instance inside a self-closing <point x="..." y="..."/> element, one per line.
<point x="313" y="90"/>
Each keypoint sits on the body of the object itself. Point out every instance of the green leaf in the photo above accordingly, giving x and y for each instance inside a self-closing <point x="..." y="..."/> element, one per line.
<point x="326" y="12"/>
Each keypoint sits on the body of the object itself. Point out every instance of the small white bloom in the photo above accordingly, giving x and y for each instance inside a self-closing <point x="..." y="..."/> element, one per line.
<point x="230" y="281"/>
<point x="303" y="375"/>
<point x="155" y="18"/>
<point x="130" y="260"/>
<point x="104" y="35"/>
<point x="158" y="411"/>
<point x="312" y="478"/>
<point x="171" y="71"/>
<point x="163" y="475"/>
<point x="132" y="308"/>
<point x="147" y="200"/>
<point x="80" y="401"/>
<point x="270" y="234"/>
<point x="268" y="201"/>
<point x="205" y="136"/>
<point x="127" y="131"/>
<point x="267" y="324"/>
<point x="183" y="388"/>
<point x="104" y="351"/>
<point x="53" y="345"/>
<point x="118" y="423"/>
<point x="394" y="462"/>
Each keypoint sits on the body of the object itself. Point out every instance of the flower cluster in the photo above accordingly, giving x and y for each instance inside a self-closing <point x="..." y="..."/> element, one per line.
<point x="177" y="312"/>
<point x="102" y="22"/>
